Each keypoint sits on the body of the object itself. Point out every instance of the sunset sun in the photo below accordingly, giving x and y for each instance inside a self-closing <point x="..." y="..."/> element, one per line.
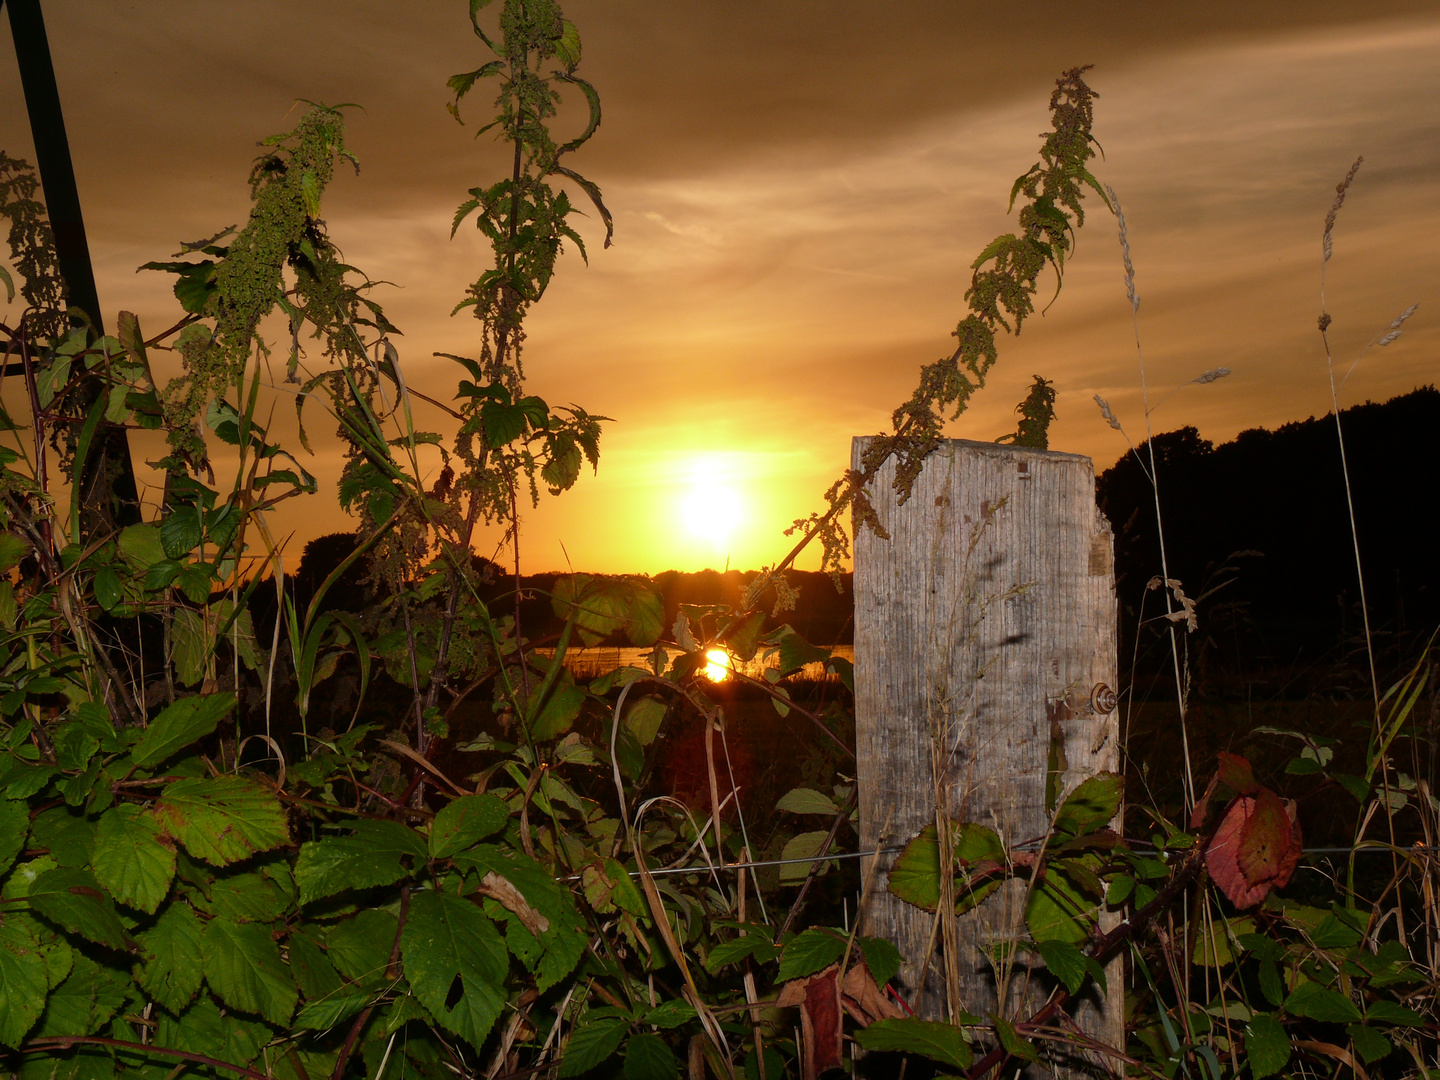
<point x="710" y="508"/>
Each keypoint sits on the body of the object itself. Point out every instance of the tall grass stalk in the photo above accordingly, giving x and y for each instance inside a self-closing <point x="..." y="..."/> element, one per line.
<point x="1180" y="694"/>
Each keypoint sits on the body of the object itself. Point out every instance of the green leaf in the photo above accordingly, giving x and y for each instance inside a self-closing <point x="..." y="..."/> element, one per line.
<point x="592" y="1041"/>
<point x="670" y="1014"/>
<point x="194" y="581"/>
<point x="1055" y="912"/>
<point x="915" y="877"/>
<point x="807" y="801"/>
<point x="13" y="548"/>
<point x="812" y="950"/>
<point x="325" y="1012"/>
<point x="14" y="824"/>
<point x="372" y="856"/>
<point x="203" y="1029"/>
<point x="67" y="834"/>
<point x="179" y="725"/>
<point x="70" y="897"/>
<point x="1267" y="1047"/>
<point x="1064" y="961"/>
<point x="744" y="637"/>
<point x="464" y="821"/>
<point x="88" y="997"/>
<point x="132" y="860"/>
<point x="244" y="969"/>
<point x="1369" y="1043"/>
<point x="796" y="652"/>
<point x="248" y="898"/>
<point x="1319" y="1003"/>
<point x="181" y="531"/>
<point x="804" y="845"/>
<point x="909" y="1035"/>
<point x="360" y="947"/>
<point x="313" y="972"/>
<point x="171" y="967"/>
<point x="559" y="712"/>
<point x="643" y="718"/>
<point x="1092" y="805"/>
<point x="222" y="819"/>
<point x="1389" y="1012"/>
<point x="881" y="957"/>
<point x="1013" y="1042"/>
<point x="108" y="592"/>
<point x="23" y="985"/>
<point x="649" y="1057"/>
<point x="445" y="938"/>
<point x="737" y="949"/>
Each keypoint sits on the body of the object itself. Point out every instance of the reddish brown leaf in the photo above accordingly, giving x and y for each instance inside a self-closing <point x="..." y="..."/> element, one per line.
<point x="1236" y="774"/>
<point x="1256" y="848"/>
<point x="820" y="1018"/>
<point x="1264" y="838"/>
<point x="864" y="1001"/>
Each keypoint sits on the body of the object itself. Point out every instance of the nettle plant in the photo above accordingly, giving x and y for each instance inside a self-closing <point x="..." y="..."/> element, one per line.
<point x="184" y="886"/>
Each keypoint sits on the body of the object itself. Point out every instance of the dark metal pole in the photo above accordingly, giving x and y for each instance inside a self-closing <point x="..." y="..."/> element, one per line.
<point x="52" y="156"/>
<point x="109" y="471"/>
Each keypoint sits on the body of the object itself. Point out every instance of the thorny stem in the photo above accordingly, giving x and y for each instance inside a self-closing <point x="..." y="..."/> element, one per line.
<point x="391" y="972"/>
<point x="816" y="867"/>
<point x="67" y="1042"/>
<point x="1103" y="948"/>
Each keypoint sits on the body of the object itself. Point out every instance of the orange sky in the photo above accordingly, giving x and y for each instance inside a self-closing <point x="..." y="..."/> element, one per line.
<point x="798" y="192"/>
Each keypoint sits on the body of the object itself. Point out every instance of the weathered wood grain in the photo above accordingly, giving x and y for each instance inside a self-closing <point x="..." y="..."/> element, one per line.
<point x="985" y="618"/>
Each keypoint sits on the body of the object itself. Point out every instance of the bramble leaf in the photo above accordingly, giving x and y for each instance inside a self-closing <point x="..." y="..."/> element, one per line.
<point x="187" y="721"/>
<point x="222" y="819"/>
<point x="464" y="821"/>
<point x="132" y="859"/>
<point x="911" y="1035"/>
<point x="172" y="969"/>
<point x="372" y="856"/>
<point x="446" y="938"/>
<point x="244" y="969"/>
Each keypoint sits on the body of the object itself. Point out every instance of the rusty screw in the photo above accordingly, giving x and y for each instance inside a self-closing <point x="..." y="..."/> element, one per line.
<point x="1102" y="699"/>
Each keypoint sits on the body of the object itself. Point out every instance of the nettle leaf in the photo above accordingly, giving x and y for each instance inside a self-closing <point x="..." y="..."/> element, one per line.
<point x="649" y="1057"/>
<point x="222" y="819"/>
<point x="244" y="969"/>
<point x="448" y="938"/>
<point x="1267" y="1047"/>
<point x="360" y="947"/>
<point x="179" y="725"/>
<point x="465" y="821"/>
<point x="70" y="897"/>
<point x="88" y="997"/>
<point x="372" y="856"/>
<point x="23" y="984"/>
<point x="910" y="1035"/>
<point x="812" y="950"/>
<point x="133" y="860"/>
<point x="172" y="969"/>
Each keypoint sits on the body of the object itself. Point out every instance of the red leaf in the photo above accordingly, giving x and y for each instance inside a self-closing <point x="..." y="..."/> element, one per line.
<point x="1236" y="774"/>
<point x="1233" y="772"/>
<point x="1256" y="848"/>
<point x="1264" y="838"/>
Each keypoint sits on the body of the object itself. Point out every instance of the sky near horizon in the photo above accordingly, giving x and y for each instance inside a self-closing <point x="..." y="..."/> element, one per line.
<point x="799" y="190"/>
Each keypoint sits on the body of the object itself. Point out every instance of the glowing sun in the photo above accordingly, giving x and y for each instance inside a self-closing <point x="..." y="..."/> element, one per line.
<point x="717" y="665"/>
<point x="711" y="509"/>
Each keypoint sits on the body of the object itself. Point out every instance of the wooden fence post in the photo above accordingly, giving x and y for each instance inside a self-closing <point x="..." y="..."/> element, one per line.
<point x="982" y="626"/>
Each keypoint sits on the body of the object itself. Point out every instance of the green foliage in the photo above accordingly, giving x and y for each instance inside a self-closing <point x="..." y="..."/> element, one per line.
<point x="1036" y="412"/>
